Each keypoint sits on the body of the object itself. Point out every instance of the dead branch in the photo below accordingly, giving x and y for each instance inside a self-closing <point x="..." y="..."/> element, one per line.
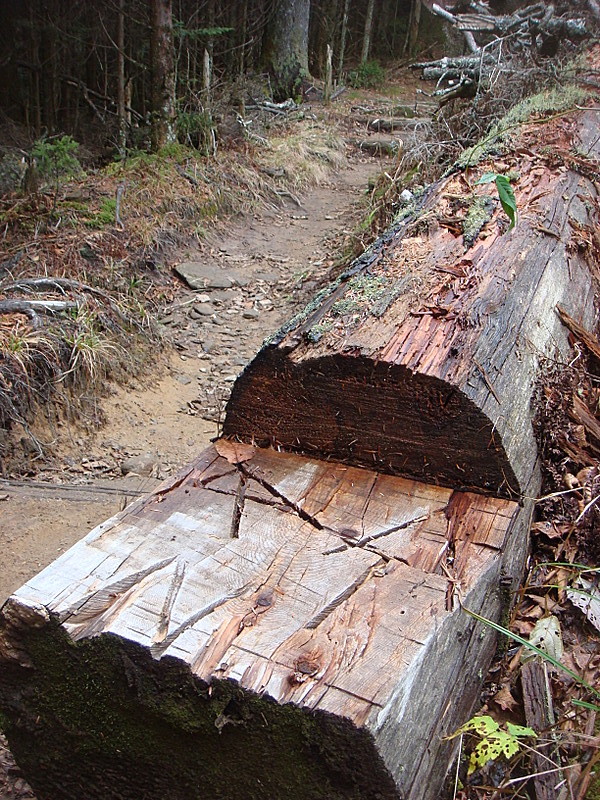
<point x="119" y="196"/>
<point x="34" y="307"/>
<point x="180" y="171"/>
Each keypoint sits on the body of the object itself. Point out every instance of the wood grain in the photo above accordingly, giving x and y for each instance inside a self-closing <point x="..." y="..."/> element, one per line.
<point x="340" y="584"/>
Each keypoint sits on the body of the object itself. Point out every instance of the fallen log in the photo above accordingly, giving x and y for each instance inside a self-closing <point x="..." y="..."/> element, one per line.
<point x="422" y="358"/>
<point x="379" y="147"/>
<point x="288" y="625"/>
<point x="276" y="628"/>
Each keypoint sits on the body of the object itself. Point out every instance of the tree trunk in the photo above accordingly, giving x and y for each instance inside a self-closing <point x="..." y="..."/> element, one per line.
<point x="286" y="47"/>
<point x="411" y="363"/>
<point x="121" y="115"/>
<point x="328" y="88"/>
<point x="366" y="45"/>
<point x="343" y="36"/>
<point x="163" y="76"/>
<point x="413" y="27"/>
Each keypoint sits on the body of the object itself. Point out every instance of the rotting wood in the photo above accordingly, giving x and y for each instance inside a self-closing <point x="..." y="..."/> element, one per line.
<point x="335" y="598"/>
<point x="421" y="359"/>
<point x="539" y="715"/>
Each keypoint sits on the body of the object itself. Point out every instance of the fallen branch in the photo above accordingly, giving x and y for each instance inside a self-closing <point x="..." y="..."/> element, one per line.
<point x="32" y="308"/>
<point x="52" y="284"/>
<point x="36" y="306"/>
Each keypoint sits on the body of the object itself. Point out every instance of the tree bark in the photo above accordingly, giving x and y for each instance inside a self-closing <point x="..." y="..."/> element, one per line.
<point x="163" y="75"/>
<point x="343" y="36"/>
<point x="366" y="45"/>
<point x="420" y="360"/>
<point x="286" y="47"/>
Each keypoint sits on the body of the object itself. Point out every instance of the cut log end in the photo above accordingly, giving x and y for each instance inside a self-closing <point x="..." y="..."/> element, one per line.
<point x="163" y="657"/>
<point x="114" y="722"/>
<point x="370" y="414"/>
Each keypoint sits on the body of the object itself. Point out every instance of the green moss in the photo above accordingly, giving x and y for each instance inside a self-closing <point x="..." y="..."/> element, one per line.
<point x="480" y="212"/>
<point x="362" y="290"/>
<point x="102" y="713"/>
<point x="546" y="103"/>
<point x="316" y="333"/>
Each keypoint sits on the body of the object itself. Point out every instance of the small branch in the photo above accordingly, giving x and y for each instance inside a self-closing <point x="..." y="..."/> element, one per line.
<point x="32" y="307"/>
<point x="180" y="171"/>
<point x="119" y="196"/>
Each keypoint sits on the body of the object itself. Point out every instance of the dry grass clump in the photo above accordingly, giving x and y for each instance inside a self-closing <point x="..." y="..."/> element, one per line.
<point x="304" y="159"/>
<point x="53" y="365"/>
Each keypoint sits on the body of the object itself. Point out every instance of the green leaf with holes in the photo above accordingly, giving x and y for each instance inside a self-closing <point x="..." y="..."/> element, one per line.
<point x="494" y="742"/>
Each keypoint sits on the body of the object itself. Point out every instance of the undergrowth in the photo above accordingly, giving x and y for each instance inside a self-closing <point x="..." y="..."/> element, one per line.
<point x="464" y="132"/>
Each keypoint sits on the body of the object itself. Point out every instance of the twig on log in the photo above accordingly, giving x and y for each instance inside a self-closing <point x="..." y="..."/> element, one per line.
<point x="589" y="340"/>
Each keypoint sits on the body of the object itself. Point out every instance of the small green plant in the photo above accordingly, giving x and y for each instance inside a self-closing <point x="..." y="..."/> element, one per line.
<point x="494" y="741"/>
<point x="105" y="216"/>
<point x="195" y="129"/>
<point x="505" y="193"/>
<point x="367" y="75"/>
<point x="56" y="160"/>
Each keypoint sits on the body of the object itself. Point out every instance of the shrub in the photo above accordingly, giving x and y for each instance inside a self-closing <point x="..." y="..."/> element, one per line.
<point x="55" y="160"/>
<point x="367" y="75"/>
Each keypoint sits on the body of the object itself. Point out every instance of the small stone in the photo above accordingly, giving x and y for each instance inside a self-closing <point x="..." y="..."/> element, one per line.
<point x="143" y="464"/>
<point x="184" y="379"/>
<point x="250" y="313"/>
<point x="201" y="310"/>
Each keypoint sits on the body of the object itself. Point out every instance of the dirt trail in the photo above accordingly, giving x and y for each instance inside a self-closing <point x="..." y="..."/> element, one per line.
<point x="256" y="274"/>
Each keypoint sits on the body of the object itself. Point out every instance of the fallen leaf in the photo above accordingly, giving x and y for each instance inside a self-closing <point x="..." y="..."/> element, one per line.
<point x="546" y="635"/>
<point x="234" y="452"/>
<point x="504" y="699"/>
<point x="548" y="529"/>
<point x="587" y="598"/>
